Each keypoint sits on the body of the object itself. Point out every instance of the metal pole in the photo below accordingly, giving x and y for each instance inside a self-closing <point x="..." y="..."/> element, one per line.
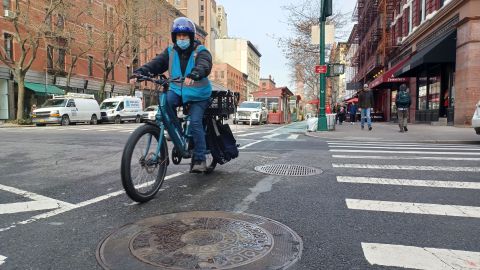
<point x="322" y="118"/>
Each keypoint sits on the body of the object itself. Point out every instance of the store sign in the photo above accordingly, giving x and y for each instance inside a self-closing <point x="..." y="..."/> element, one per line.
<point x="319" y="69"/>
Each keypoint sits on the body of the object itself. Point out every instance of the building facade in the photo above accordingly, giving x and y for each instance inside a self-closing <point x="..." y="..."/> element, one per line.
<point x="242" y="55"/>
<point x="222" y="22"/>
<point x="267" y="84"/>
<point x="231" y="78"/>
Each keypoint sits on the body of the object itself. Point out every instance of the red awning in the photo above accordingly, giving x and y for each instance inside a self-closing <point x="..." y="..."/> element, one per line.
<point x="314" y="101"/>
<point x="351" y="100"/>
<point x="388" y="77"/>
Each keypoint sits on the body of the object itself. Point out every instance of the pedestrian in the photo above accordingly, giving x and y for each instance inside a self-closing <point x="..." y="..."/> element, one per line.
<point x="365" y="104"/>
<point x="353" y="113"/>
<point x="188" y="58"/>
<point x="341" y="114"/>
<point x="403" y="102"/>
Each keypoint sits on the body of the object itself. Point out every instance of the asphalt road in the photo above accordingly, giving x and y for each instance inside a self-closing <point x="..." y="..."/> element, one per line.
<point x="60" y="195"/>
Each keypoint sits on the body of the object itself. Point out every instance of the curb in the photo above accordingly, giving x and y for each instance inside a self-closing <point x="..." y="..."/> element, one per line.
<point x="19" y="126"/>
<point x="405" y="141"/>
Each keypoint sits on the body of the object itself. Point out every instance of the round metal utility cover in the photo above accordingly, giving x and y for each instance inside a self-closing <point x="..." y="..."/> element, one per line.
<point x="201" y="240"/>
<point x="288" y="170"/>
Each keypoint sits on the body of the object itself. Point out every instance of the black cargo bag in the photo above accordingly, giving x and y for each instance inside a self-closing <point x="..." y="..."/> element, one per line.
<point x="221" y="142"/>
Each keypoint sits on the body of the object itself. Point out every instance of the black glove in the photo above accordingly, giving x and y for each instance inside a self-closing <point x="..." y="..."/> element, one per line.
<point x="140" y="71"/>
<point x="194" y="76"/>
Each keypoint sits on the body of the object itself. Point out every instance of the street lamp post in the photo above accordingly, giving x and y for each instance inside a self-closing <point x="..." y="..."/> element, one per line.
<point x="325" y="11"/>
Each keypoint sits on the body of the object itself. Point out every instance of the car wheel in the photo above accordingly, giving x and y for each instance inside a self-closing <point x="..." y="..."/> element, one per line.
<point x="65" y="120"/>
<point x="40" y="125"/>
<point x="118" y="120"/>
<point x="94" y="120"/>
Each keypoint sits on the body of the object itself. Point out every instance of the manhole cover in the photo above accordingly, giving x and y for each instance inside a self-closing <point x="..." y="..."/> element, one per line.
<point x="201" y="240"/>
<point x="288" y="169"/>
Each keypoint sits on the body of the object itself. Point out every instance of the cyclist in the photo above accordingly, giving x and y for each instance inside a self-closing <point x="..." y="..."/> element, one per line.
<point x="189" y="59"/>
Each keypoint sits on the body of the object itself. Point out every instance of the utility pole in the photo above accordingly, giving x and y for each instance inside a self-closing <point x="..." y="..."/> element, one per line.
<point x="325" y="11"/>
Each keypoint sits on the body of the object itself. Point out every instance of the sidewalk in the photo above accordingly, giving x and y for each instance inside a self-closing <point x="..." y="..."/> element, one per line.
<point x="389" y="132"/>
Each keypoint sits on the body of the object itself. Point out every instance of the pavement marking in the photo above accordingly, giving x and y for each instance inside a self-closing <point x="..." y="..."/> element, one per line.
<point x="250" y="144"/>
<point x="293" y="137"/>
<point x="414" y="208"/>
<point x="408" y="182"/>
<point x="249" y="134"/>
<point x="407" y="167"/>
<point x="420" y="257"/>
<point x="68" y="207"/>
<point x="401" y="144"/>
<point x="2" y="259"/>
<point x="273" y="130"/>
<point x="271" y="135"/>
<point x="403" y="152"/>
<point x="407" y="148"/>
<point x="404" y="157"/>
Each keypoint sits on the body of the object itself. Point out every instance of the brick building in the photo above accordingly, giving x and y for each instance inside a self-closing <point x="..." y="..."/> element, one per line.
<point x="231" y="78"/>
<point x="81" y="31"/>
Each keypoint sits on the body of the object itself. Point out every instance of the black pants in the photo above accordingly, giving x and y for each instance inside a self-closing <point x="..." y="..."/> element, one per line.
<point x="352" y="117"/>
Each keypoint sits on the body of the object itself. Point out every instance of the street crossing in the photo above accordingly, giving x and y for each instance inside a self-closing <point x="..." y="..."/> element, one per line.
<point x="354" y="161"/>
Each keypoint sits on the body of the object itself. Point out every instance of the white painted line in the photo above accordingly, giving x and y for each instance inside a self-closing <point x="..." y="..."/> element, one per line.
<point x="293" y="137"/>
<point x="414" y="208"/>
<point x="406" y="167"/>
<point x="11" y="208"/>
<point x="403" y="152"/>
<point x="250" y="144"/>
<point x="420" y="257"/>
<point x="273" y="130"/>
<point x="404" y="157"/>
<point x="2" y="259"/>
<point x="68" y="207"/>
<point x="402" y="144"/>
<point x="249" y="134"/>
<point x="408" y="182"/>
<point x="400" y="148"/>
<point x="271" y="135"/>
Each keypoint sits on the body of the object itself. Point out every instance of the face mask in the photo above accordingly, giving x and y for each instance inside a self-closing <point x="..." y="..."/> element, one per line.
<point x="183" y="44"/>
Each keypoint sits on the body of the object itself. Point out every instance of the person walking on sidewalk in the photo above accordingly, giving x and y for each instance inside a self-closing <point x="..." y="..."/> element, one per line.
<point x="403" y="102"/>
<point x="353" y="113"/>
<point x="365" y="103"/>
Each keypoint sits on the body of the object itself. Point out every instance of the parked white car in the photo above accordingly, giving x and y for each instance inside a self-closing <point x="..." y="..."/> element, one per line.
<point x="122" y="108"/>
<point x="253" y="111"/>
<point x="476" y="119"/>
<point x="149" y="113"/>
<point x="70" y="108"/>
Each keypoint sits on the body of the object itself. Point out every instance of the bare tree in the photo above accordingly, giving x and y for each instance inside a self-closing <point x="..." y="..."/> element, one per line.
<point x="29" y="37"/>
<point x="302" y="56"/>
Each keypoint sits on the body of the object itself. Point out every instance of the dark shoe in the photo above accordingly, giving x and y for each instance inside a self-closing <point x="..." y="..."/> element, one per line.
<point x="369" y="128"/>
<point x="363" y="127"/>
<point x="405" y="128"/>
<point x="199" y="166"/>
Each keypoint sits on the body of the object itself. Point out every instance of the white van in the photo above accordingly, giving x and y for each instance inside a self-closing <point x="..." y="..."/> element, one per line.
<point x="70" y="108"/>
<point x="123" y="108"/>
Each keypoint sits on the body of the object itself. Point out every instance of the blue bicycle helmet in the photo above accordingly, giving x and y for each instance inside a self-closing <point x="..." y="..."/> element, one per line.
<point x="183" y="25"/>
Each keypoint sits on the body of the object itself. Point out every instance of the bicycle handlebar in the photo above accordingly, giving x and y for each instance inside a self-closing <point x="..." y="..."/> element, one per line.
<point x="163" y="81"/>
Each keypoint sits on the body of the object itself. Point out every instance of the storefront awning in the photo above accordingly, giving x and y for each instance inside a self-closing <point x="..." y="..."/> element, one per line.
<point x="43" y="90"/>
<point x="443" y="50"/>
<point x="351" y="100"/>
<point x="388" y="77"/>
<point x="314" y="101"/>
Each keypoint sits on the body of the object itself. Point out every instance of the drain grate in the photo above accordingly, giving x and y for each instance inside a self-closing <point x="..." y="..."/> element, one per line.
<point x="288" y="169"/>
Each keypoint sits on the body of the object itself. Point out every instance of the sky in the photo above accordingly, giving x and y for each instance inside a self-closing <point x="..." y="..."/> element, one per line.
<point x="257" y="20"/>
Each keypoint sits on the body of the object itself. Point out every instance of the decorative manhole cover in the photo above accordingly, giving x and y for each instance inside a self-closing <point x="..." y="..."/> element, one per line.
<point x="288" y="169"/>
<point x="201" y="240"/>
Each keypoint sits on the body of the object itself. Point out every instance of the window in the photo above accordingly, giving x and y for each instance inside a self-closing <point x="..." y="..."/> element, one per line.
<point x="120" y="106"/>
<point x="48" y="19"/>
<point x="222" y="74"/>
<point x="8" y="45"/>
<point x="422" y="93"/>
<point x="105" y="14"/>
<point x="49" y="56"/>
<point x="60" y="22"/>
<point x="90" y="66"/>
<point x="6" y="4"/>
<point x="423" y="10"/>
<point x="110" y="16"/>
<point x="61" y="59"/>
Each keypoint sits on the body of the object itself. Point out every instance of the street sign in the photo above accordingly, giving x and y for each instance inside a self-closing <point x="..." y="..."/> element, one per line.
<point x="329" y="34"/>
<point x="320" y="69"/>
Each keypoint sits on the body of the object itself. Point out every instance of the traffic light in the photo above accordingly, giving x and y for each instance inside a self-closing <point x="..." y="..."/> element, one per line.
<point x="327" y="9"/>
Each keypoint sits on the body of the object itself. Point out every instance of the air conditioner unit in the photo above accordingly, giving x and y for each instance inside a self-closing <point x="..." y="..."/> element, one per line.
<point x="9" y="14"/>
<point x="399" y="41"/>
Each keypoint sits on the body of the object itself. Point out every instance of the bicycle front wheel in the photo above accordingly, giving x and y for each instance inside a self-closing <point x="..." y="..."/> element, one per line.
<point x="142" y="169"/>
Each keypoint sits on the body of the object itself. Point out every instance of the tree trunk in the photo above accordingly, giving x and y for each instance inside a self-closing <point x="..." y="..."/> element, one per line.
<point x="101" y="92"/>
<point x="21" y="95"/>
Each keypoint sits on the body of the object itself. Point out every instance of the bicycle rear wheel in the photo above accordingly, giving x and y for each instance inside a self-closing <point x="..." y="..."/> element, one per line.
<point x="142" y="172"/>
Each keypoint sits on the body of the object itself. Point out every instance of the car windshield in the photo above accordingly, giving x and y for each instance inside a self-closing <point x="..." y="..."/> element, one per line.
<point x="108" y="105"/>
<point x="251" y="105"/>
<point x="150" y="109"/>
<point x="54" y="103"/>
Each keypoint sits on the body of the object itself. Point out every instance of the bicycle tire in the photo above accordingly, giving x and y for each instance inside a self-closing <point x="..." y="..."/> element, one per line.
<point x="126" y="168"/>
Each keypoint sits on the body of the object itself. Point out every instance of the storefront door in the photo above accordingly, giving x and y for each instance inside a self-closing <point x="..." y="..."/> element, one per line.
<point x="3" y="99"/>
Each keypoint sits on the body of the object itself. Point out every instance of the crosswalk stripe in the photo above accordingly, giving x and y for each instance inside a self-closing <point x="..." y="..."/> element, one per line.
<point x="250" y="144"/>
<point x="407" y="148"/>
<point x="404" y="157"/>
<point x="403" y="152"/>
<point x="414" y="208"/>
<point x="407" y="167"/>
<point x="11" y="208"/>
<point x="420" y="257"/>
<point x="2" y="259"/>
<point x="250" y="134"/>
<point x="400" y="144"/>
<point x="293" y="137"/>
<point x="408" y="182"/>
<point x="271" y="135"/>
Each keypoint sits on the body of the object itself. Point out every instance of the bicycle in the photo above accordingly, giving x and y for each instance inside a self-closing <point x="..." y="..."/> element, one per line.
<point x="152" y="158"/>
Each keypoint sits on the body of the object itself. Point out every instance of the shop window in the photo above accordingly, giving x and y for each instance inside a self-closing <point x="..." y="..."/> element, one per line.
<point x="434" y="92"/>
<point x="422" y="93"/>
<point x="8" y="45"/>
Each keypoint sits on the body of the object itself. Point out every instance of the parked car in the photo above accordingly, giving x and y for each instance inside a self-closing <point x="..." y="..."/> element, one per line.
<point x="67" y="109"/>
<point x="122" y="108"/>
<point x="476" y="119"/>
<point x="149" y="113"/>
<point x="253" y="111"/>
